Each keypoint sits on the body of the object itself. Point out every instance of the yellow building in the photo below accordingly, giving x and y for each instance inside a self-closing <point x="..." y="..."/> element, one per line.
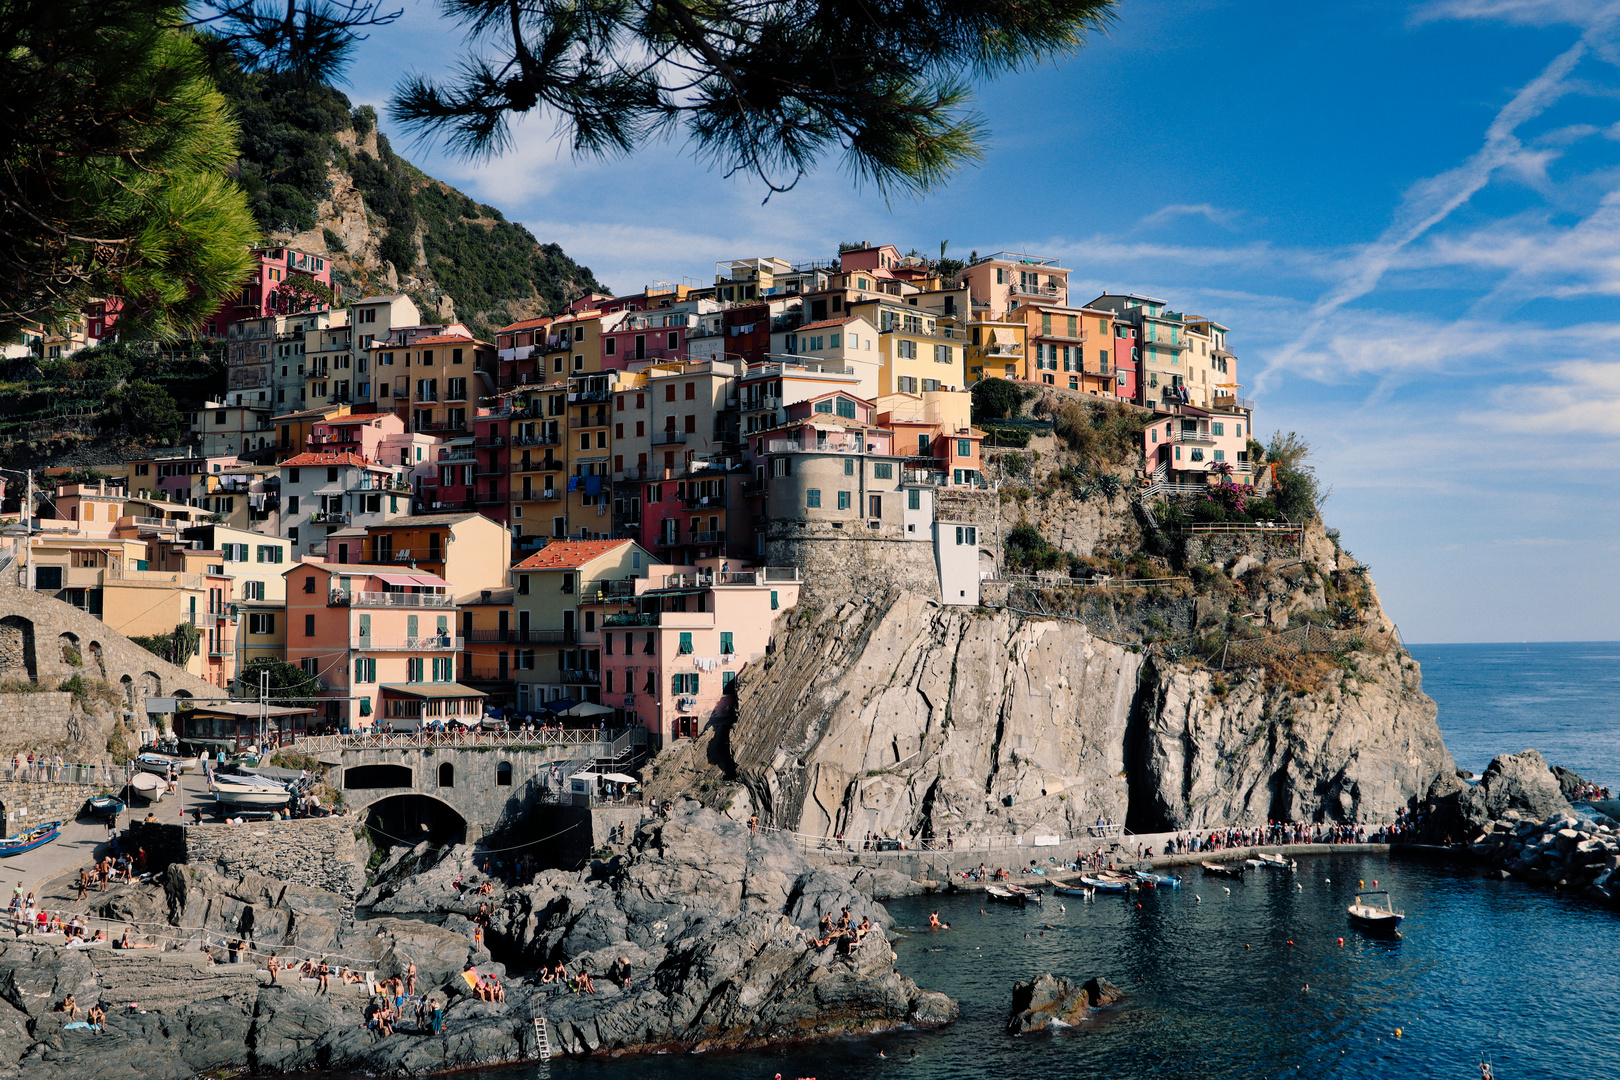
<point x="557" y="598"/>
<point x="294" y="429"/>
<point x="996" y="348"/>
<point x="447" y="375"/>
<point x="538" y="477"/>
<point x="917" y="350"/>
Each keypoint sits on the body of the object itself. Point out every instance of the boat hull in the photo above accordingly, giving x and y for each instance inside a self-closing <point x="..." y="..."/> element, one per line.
<point x="1068" y="890"/>
<point x="1225" y="870"/>
<point x="1002" y="896"/>
<point x="235" y="795"/>
<point x="1159" y="881"/>
<point x="150" y="786"/>
<point x="36" y="837"/>
<point x="1104" y="886"/>
<point x="107" y="806"/>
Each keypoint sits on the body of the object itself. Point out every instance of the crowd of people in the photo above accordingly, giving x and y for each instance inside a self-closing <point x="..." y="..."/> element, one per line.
<point x="840" y="932"/>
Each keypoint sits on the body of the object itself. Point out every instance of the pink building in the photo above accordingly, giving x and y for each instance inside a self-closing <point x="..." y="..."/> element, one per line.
<point x="382" y="641"/>
<point x="671" y="663"/>
<point x="276" y="286"/>
<point x="1194" y="446"/>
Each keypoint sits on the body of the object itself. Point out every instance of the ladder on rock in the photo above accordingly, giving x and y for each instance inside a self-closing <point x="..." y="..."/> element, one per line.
<point x="542" y="1039"/>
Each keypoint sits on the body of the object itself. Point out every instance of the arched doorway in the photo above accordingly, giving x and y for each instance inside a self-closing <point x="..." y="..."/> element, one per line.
<point x="411" y="819"/>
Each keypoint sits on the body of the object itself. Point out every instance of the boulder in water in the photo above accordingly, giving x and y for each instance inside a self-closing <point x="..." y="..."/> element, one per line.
<point x="1049" y="999"/>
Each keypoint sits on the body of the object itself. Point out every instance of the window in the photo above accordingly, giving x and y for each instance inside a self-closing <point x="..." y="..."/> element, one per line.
<point x="967" y="535"/>
<point x="269" y="553"/>
<point x="774" y="602"/>
<point x="726" y="648"/>
<point x="292" y="476"/>
<point x="1220" y="455"/>
<point x="261" y="622"/>
<point x="832" y="343"/>
<point x="914" y="499"/>
<point x="905" y="350"/>
<point x="843" y="500"/>
<point x="1218" y="428"/>
<point x="685" y="684"/>
<point x="253" y="590"/>
<point x="906" y="384"/>
<point x="309" y="626"/>
<point x="444" y="669"/>
<point x="503" y="774"/>
<point x="686" y="643"/>
<point x="365" y="670"/>
<point x="876" y="506"/>
<point x="523" y="585"/>
<point x="447" y="774"/>
<point x="413" y="669"/>
<point x="883" y="470"/>
<point x="812" y="497"/>
<point x="964" y="447"/>
<point x="309" y="583"/>
<point x="942" y="354"/>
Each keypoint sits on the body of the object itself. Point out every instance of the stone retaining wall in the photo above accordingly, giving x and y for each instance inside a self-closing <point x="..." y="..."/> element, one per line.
<point x="34" y="723"/>
<point x="24" y="803"/>
<point x="321" y="853"/>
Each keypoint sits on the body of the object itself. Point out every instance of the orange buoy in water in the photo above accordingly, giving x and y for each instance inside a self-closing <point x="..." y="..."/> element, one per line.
<point x="1290" y="944"/>
<point x="1341" y="943"/>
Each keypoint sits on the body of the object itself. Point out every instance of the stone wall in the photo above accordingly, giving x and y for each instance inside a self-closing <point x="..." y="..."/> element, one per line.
<point x="318" y="852"/>
<point x="321" y="853"/>
<point x="34" y="723"/>
<point x="25" y="803"/>
<point x="40" y="637"/>
<point x="835" y="565"/>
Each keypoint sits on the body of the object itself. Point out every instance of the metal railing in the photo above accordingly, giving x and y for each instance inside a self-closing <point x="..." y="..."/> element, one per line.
<point x="423" y="643"/>
<point x="377" y="599"/>
<point x="42" y="772"/>
<point x="454" y="738"/>
<point x="669" y="438"/>
<point x="523" y="637"/>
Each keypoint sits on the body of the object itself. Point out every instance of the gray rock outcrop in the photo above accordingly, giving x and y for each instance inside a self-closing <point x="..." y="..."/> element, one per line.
<point x="716" y="924"/>
<point x="1049" y="1000"/>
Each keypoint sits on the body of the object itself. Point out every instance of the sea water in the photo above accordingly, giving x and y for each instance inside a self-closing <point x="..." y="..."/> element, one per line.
<point x="1255" y="982"/>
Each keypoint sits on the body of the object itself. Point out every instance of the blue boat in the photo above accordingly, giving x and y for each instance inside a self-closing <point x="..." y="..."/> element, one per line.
<point x="107" y="805"/>
<point x="1163" y="881"/>
<point x="1103" y="885"/>
<point x="38" y="836"/>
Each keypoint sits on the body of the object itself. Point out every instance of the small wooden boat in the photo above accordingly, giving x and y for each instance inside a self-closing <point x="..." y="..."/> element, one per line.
<point x="1002" y="895"/>
<point x="1367" y="916"/>
<point x="1030" y="895"/>
<point x="1104" y="885"/>
<point x="1070" y="890"/>
<point x="149" y="785"/>
<point x="1267" y="859"/>
<point x="162" y="763"/>
<point x="107" y="805"/>
<point x="1226" y="870"/>
<point x="38" y="836"/>
<point x="1161" y="881"/>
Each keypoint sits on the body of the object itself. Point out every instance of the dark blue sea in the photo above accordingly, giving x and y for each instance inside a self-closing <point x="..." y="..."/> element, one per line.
<point x="1255" y="983"/>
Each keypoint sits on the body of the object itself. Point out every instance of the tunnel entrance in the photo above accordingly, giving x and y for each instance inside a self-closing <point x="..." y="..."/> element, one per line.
<point x="411" y="819"/>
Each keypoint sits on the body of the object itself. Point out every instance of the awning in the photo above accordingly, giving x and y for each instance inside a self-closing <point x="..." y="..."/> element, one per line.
<point x="619" y="778"/>
<point x="432" y="690"/>
<point x="430" y="581"/>
<point x="1000" y="336"/>
<point x="402" y="580"/>
<point x="588" y="708"/>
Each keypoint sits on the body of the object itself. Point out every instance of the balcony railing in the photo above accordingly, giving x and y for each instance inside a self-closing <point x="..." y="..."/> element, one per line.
<point x="377" y="599"/>
<point x="429" y="643"/>
<point x="485" y="498"/>
<point x="755" y="487"/>
<point x="708" y="536"/>
<point x="459" y="453"/>
<point x="580" y="677"/>
<point x="599" y="420"/>
<point x="548" y="465"/>
<point x="645" y="618"/>
<point x="669" y="438"/>
<point x="329" y="517"/>
<point x="523" y="637"/>
<point x="1203" y="437"/>
<point x="542" y="439"/>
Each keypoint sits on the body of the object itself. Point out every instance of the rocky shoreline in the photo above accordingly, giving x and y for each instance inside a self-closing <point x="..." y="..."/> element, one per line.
<point x="716" y="924"/>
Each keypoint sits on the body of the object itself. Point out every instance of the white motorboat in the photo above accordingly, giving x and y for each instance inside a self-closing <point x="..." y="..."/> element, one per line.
<point x="150" y="786"/>
<point x="250" y="791"/>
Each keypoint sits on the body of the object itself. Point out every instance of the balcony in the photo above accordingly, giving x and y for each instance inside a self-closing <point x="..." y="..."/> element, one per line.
<point x="1049" y="293"/>
<point x="611" y="587"/>
<point x="339" y="598"/>
<point x="329" y="517"/>
<point x="548" y="465"/>
<point x="486" y="498"/>
<point x="430" y="643"/>
<point x="545" y="495"/>
<point x="669" y="438"/>
<point x="645" y="618"/>
<point x="1227" y="401"/>
<point x="708" y="536"/>
<point x="492" y="441"/>
<point x="523" y="637"/>
<point x="600" y="420"/>
<point x="581" y="397"/>
<point x="459" y="453"/>
<point x="408" y="555"/>
<point x="755" y="487"/>
<point x="1175" y="346"/>
<point x="1201" y="437"/>
<point x="544" y="438"/>
<point x="579" y="677"/>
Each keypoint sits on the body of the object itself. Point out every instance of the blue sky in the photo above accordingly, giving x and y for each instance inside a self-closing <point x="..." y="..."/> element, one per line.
<point x="1408" y="214"/>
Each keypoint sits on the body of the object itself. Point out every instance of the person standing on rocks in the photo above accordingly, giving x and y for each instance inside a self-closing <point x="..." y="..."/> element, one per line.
<point x="753" y="824"/>
<point x="410" y="980"/>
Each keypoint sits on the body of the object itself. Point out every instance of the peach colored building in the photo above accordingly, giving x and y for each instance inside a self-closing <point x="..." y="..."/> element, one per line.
<point x="671" y="661"/>
<point x="382" y="641"/>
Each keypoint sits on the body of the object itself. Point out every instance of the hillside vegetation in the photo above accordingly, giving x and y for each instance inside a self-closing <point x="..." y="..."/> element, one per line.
<point x="322" y="178"/>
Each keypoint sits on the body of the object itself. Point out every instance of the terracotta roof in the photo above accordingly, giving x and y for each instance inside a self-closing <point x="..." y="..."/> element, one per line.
<point x="526" y="324"/>
<point x="827" y="322"/>
<point x="410" y="521"/>
<point x="327" y="459"/>
<point x="441" y="339"/>
<point x="569" y="554"/>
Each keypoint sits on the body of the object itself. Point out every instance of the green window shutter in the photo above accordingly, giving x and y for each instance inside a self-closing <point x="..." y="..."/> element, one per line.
<point x="774" y="603"/>
<point x="686" y="641"/>
<point x="725" y="642"/>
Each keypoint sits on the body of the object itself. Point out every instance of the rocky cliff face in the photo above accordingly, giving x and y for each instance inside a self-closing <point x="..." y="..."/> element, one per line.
<point x="894" y="715"/>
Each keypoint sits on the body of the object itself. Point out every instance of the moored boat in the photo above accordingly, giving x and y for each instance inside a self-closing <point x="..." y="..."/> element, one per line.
<point x="38" y="836"/>
<point x="162" y="763"/>
<point x="1227" y="870"/>
<point x="1268" y="859"/>
<point x="1105" y="885"/>
<point x="1029" y="895"/>
<point x="1162" y="881"/>
<point x="1070" y="890"/>
<point x="1003" y="895"/>
<point x="1367" y="916"/>
<point x="149" y="785"/>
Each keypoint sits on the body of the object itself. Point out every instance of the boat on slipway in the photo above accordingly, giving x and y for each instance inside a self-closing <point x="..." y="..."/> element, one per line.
<point x="38" y="836"/>
<point x="149" y="786"/>
<point x="249" y="792"/>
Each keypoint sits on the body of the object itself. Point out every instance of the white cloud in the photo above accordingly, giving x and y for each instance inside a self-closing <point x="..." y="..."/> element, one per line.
<point x="1584" y="13"/>
<point x="1226" y="219"/>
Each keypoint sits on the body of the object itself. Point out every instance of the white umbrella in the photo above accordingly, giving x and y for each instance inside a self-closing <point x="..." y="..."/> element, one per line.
<point x="587" y="708"/>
